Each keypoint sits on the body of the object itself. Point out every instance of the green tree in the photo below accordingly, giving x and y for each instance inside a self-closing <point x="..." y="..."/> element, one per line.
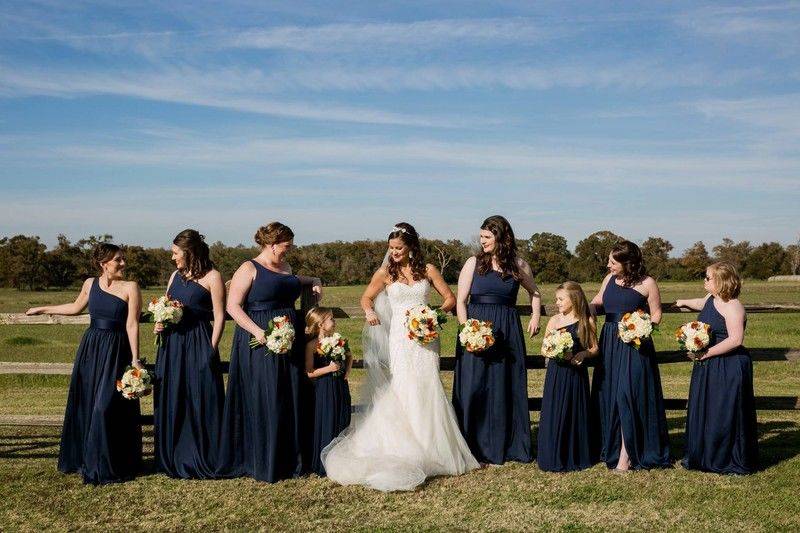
<point x="591" y="256"/>
<point x="25" y="262"/>
<point x="64" y="263"/>
<point x="765" y="260"/>
<point x="655" y="253"/>
<point x="733" y="252"/>
<point x="694" y="261"/>
<point x="548" y="256"/>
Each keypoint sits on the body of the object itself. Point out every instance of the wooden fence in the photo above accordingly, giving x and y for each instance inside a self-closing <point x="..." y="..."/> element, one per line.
<point x="447" y="363"/>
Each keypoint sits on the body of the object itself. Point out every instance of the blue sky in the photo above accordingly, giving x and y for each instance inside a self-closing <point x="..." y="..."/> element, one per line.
<point x="139" y="119"/>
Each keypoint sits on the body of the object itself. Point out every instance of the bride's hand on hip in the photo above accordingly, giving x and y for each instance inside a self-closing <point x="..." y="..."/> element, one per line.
<point x="372" y="318"/>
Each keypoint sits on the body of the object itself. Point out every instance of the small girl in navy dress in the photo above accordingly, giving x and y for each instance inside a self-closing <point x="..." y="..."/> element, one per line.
<point x="331" y="390"/>
<point x="190" y="394"/>
<point x="567" y="433"/>
<point x="721" y="432"/>
<point x="101" y="438"/>
<point x="626" y="383"/>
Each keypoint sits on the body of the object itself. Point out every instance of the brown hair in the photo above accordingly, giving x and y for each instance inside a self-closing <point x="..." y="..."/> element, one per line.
<point x="629" y="255"/>
<point x="194" y="246"/>
<point x="505" y="248"/>
<point x="273" y="233"/>
<point x="409" y="236"/>
<point x="314" y="319"/>
<point x="726" y="279"/>
<point x="587" y="332"/>
<point x="102" y="253"/>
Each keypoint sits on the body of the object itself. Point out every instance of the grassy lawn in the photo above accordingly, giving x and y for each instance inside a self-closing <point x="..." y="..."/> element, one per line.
<point x="34" y="496"/>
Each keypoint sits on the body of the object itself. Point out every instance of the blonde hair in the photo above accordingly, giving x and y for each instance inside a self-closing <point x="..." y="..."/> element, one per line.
<point x="273" y="233"/>
<point x="587" y="333"/>
<point x="726" y="279"/>
<point x="314" y="319"/>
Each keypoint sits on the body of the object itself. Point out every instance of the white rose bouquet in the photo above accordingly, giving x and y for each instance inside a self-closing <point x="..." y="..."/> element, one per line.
<point x="280" y="335"/>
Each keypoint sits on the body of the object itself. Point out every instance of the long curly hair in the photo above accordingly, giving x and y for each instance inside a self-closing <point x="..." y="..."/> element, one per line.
<point x="629" y="255"/>
<point x="196" y="252"/>
<point x="505" y="248"/>
<point x="409" y="236"/>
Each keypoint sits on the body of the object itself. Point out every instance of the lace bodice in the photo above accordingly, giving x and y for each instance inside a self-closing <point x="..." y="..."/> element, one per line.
<point x="402" y="296"/>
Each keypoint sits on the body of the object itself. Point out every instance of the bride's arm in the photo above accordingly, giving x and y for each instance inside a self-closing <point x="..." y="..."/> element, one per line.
<point x="376" y="285"/>
<point x="438" y="282"/>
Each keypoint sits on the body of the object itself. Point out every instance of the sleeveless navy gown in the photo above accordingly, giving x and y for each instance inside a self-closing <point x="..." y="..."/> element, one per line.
<point x="490" y="389"/>
<point x="262" y="432"/>
<point x="567" y="436"/>
<point x="190" y="394"/>
<point x="626" y="389"/>
<point x="101" y="438"/>
<point x="721" y="432"/>
<point x="331" y="412"/>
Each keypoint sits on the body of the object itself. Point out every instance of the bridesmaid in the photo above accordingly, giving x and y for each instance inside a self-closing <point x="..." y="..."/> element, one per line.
<point x="262" y="430"/>
<point x="567" y="436"/>
<point x="189" y="389"/>
<point x="626" y="384"/>
<point x="101" y="437"/>
<point x="331" y="390"/>
<point x="721" y="433"/>
<point x="490" y="389"/>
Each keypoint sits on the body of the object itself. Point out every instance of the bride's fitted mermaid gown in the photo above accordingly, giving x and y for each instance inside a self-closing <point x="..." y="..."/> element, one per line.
<point x="411" y="432"/>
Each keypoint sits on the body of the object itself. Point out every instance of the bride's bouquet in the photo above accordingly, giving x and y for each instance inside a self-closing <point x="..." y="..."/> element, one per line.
<point x="280" y="335"/>
<point x="422" y="323"/>
<point x="476" y="335"/>
<point x="557" y="343"/>
<point x="166" y="312"/>
<point x="135" y="383"/>
<point x="693" y="337"/>
<point x="335" y="348"/>
<point x="635" y="327"/>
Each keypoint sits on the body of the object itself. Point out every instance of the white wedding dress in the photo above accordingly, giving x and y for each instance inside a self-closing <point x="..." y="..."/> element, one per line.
<point x="408" y="431"/>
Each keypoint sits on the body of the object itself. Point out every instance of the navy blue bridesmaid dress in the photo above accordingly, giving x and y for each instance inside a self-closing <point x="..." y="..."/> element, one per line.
<point x="490" y="389"/>
<point x="721" y="432"/>
<point x="626" y="389"/>
<point x="101" y="438"/>
<point x="331" y="411"/>
<point x="262" y="423"/>
<point x="190" y="395"/>
<point x="567" y="436"/>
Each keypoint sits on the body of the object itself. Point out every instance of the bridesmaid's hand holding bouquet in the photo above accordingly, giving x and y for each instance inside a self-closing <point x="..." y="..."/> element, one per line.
<point x="278" y="337"/>
<point x="557" y="344"/>
<point x="476" y="335"/>
<point x="635" y="327"/>
<point x="165" y="312"/>
<point x="694" y="337"/>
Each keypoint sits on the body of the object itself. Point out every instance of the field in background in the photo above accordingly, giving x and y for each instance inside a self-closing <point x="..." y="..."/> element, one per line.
<point x="512" y="497"/>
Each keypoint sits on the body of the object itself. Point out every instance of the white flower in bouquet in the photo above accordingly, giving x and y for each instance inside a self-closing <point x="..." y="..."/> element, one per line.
<point x="422" y="323"/>
<point x="334" y="347"/>
<point x="166" y="312"/>
<point x="476" y="335"/>
<point x="135" y="383"/>
<point x="635" y="327"/>
<point x="557" y="343"/>
<point x="694" y="336"/>
<point x="279" y="334"/>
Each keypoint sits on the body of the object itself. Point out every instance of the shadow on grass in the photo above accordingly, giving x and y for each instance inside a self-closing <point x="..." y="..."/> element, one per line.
<point x="781" y="444"/>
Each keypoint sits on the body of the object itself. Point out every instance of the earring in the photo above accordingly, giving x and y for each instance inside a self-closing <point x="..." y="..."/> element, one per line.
<point x="410" y="255"/>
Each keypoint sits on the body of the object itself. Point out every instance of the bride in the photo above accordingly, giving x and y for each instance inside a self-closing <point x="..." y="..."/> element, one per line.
<point x="407" y="431"/>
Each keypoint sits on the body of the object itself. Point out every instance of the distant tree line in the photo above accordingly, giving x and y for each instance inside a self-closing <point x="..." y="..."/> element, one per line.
<point x="26" y="263"/>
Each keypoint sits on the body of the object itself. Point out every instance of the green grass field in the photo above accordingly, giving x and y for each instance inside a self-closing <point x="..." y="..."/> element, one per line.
<point x="33" y="495"/>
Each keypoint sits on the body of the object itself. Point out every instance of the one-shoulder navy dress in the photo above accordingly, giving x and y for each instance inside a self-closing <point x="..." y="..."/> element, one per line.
<point x="331" y="411"/>
<point x="190" y="394"/>
<point x="490" y="388"/>
<point x="102" y="436"/>
<point x="261" y="435"/>
<point x="567" y="436"/>
<point x="626" y="389"/>
<point x="721" y="432"/>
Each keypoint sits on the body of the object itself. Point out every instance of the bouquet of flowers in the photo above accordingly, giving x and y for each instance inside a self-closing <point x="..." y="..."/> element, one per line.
<point x="693" y="336"/>
<point x="135" y="383"/>
<point x="280" y="335"/>
<point x="476" y="335"/>
<point x="557" y="343"/>
<point x="335" y="348"/>
<point x="166" y="312"/>
<point x="422" y="322"/>
<point x="635" y="327"/>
